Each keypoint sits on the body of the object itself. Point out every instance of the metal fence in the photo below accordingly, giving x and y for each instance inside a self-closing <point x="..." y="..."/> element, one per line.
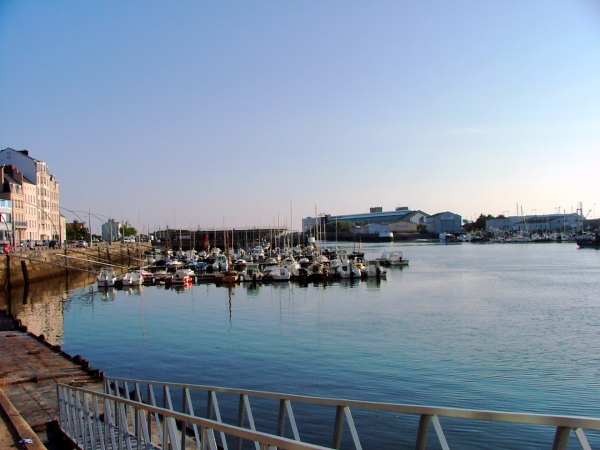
<point x="98" y="421"/>
<point x="155" y="393"/>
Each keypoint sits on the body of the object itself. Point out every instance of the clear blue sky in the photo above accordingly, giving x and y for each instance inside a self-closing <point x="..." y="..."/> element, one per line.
<point x="210" y="113"/>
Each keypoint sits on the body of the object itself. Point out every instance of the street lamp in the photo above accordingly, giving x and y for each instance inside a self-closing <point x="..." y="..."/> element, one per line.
<point x="82" y="221"/>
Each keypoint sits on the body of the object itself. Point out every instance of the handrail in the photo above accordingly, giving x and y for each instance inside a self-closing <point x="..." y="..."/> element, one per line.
<point x="125" y="421"/>
<point x="459" y="413"/>
<point x="427" y="414"/>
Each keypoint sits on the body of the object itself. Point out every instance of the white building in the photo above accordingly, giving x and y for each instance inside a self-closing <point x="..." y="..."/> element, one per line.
<point x="536" y="223"/>
<point x="111" y="230"/>
<point x="40" y="197"/>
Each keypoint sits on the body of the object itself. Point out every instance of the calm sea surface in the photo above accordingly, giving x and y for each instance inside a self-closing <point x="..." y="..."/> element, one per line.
<point x="498" y="327"/>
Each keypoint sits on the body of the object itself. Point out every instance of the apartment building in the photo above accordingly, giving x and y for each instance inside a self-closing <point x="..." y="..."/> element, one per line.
<point x="35" y="196"/>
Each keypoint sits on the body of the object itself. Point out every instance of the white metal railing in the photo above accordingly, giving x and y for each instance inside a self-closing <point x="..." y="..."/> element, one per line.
<point x="144" y="391"/>
<point x="99" y="421"/>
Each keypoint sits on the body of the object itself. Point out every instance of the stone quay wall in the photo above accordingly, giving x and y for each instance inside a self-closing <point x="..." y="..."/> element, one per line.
<point x="33" y="265"/>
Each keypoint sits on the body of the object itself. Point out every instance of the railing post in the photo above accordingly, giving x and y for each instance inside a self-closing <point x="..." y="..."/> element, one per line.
<point x="338" y="426"/>
<point x="281" y="418"/>
<point x="352" y="426"/>
<point x="437" y="426"/>
<point x="209" y="406"/>
<point x="184" y="410"/>
<point x="240" y="422"/>
<point x="424" y="421"/>
<point x="152" y="401"/>
<point x="561" y="438"/>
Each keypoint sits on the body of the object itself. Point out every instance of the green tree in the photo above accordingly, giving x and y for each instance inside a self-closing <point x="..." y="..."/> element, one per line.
<point x="77" y="231"/>
<point x="343" y="226"/>
<point x="481" y="221"/>
<point x="127" y="230"/>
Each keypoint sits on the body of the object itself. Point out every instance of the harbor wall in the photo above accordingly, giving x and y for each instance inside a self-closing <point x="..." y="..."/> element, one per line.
<point x="17" y="269"/>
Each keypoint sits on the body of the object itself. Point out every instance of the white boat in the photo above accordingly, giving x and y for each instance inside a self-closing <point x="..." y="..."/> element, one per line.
<point x="386" y="236"/>
<point x="133" y="278"/>
<point x="251" y="273"/>
<point x="343" y="270"/>
<point x="258" y="254"/>
<point x="221" y="264"/>
<point x="182" y="276"/>
<point x="393" y="259"/>
<point x="375" y="270"/>
<point x="107" y="277"/>
<point x="446" y="237"/>
<point x="520" y="239"/>
<point x="277" y="273"/>
<point x="292" y="265"/>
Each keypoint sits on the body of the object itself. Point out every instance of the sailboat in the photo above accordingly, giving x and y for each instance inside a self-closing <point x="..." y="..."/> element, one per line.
<point x="230" y="275"/>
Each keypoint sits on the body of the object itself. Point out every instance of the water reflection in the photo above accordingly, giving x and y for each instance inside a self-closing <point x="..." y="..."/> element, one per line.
<point x="107" y="293"/>
<point x="40" y="306"/>
<point x="252" y="289"/>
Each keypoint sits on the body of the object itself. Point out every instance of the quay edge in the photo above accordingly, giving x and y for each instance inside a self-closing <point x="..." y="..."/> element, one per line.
<point x="31" y="369"/>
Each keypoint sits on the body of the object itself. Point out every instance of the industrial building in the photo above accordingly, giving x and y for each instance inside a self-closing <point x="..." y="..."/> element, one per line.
<point x="445" y="222"/>
<point x="537" y="223"/>
<point x="376" y="220"/>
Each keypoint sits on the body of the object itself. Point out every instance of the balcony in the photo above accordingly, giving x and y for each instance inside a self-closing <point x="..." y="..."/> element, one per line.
<point x="19" y="224"/>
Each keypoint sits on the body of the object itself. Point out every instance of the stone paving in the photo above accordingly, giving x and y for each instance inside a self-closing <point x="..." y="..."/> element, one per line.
<point x="29" y="372"/>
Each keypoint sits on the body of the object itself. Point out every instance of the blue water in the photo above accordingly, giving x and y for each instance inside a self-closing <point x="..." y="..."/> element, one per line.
<point x="496" y="327"/>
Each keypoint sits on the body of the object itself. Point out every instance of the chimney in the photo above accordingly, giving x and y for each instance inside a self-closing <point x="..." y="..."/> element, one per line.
<point x="24" y="152"/>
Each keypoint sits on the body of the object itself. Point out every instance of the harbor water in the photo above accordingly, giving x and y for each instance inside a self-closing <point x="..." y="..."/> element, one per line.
<point x="495" y="327"/>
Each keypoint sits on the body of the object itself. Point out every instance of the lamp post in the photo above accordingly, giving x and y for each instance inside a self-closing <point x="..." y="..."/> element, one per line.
<point x="82" y="221"/>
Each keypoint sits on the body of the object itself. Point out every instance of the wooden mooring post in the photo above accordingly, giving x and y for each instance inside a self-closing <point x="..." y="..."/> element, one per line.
<point x="25" y="273"/>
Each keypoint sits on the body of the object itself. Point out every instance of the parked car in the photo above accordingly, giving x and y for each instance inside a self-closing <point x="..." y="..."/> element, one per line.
<point x="82" y="244"/>
<point x="6" y="248"/>
<point x="53" y="244"/>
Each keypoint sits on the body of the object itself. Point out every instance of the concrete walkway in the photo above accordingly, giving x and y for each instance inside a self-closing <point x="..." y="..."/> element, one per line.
<point x="29" y="371"/>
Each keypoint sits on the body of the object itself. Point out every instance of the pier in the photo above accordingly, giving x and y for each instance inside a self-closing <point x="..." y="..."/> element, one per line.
<point x="30" y="370"/>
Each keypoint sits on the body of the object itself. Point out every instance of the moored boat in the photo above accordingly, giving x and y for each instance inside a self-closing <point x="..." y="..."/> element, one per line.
<point x="589" y="241"/>
<point x="133" y="278"/>
<point x="386" y="236"/>
<point x="393" y="259"/>
<point x="277" y="273"/>
<point x="107" y="277"/>
<point x="251" y="273"/>
<point x="374" y="270"/>
<point x="182" y="276"/>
